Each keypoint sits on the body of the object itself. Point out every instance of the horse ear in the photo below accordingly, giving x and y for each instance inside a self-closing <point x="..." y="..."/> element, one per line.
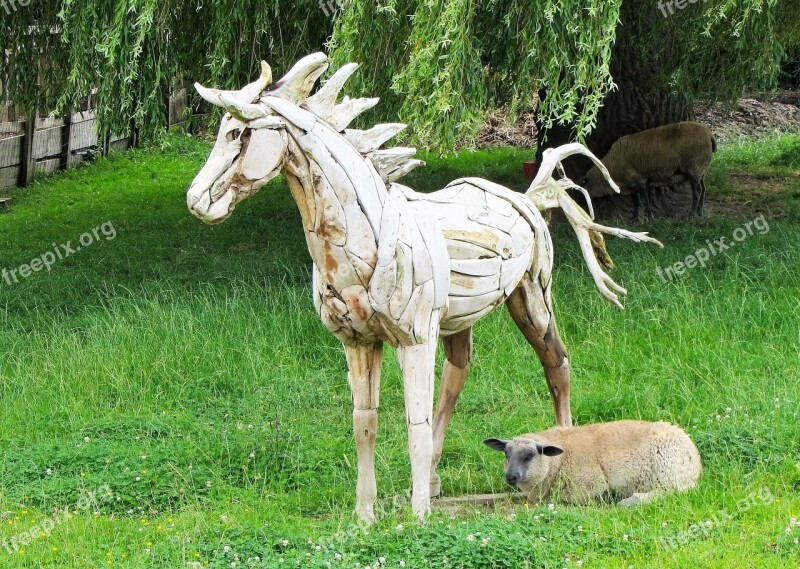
<point x="243" y="111"/>
<point x="245" y="95"/>
<point x="297" y="84"/>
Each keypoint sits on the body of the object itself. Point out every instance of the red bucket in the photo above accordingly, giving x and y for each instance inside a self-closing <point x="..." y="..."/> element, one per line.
<point x="529" y="169"/>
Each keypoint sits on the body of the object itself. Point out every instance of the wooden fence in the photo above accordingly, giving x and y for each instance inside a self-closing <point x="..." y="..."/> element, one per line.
<point x="48" y="144"/>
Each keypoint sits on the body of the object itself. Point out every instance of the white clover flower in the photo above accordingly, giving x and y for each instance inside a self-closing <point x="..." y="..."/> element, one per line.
<point x="402" y="563"/>
<point x="470" y="537"/>
<point x="86" y="439"/>
<point x="284" y="542"/>
<point x="625" y="537"/>
<point x="226" y="549"/>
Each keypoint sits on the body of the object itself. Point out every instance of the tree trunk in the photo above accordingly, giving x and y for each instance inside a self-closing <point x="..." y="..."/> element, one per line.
<point x="641" y="101"/>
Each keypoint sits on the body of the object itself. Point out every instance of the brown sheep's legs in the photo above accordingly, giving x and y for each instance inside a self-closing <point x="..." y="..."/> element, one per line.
<point x="531" y="307"/>
<point x="698" y="197"/>
<point x="458" y="351"/>
<point x="364" y="375"/>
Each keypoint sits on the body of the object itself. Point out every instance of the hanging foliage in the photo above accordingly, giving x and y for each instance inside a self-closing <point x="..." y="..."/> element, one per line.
<point x="445" y="62"/>
<point x="132" y="51"/>
<point x="437" y="64"/>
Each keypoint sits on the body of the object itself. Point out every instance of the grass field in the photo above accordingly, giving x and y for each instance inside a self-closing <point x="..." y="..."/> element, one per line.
<point x="170" y="399"/>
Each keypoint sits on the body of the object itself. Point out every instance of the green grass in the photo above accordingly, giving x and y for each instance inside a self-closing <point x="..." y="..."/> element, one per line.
<point x="182" y="369"/>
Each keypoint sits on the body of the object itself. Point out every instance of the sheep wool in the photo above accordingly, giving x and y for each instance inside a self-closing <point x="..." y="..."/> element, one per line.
<point x="628" y="462"/>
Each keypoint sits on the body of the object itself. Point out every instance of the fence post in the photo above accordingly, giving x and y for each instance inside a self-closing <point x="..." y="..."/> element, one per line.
<point x="28" y="163"/>
<point x="66" y="135"/>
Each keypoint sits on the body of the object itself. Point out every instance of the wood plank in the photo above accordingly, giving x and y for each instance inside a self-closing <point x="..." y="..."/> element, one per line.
<point x="9" y="176"/>
<point x="84" y="134"/>
<point x="27" y="161"/>
<point x="465" y="305"/>
<point x="47" y="143"/>
<point x="12" y="126"/>
<point x="120" y="145"/>
<point x="65" y="139"/>
<point x="49" y="165"/>
<point x="476" y="267"/>
<point x="10" y="151"/>
<point x="467" y="285"/>
<point x="49" y="122"/>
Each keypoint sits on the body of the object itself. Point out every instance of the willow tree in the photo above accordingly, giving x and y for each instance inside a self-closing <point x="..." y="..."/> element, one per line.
<point x="131" y="51"/>
<point x="599" y="69"/>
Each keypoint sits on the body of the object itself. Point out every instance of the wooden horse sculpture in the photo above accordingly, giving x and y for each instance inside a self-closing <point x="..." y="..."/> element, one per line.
<point x="392" y="265"/>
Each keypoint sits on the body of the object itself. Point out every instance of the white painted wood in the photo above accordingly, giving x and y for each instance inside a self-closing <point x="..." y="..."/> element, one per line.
<point x="403" y="169"/>
<point x="265" y="153"/>
<point x="512" y="271"/>
<point x="345" y="112"/>
<point x="405" y="281"/>
<point x="469" y="285"/>
<point x="296" y="85"/>
<point x="476" y="267"/>
<point x="323" y="101"/>
<point x="463" y="305"/>
<point x="464" y="250"/>
<point x="297" y="116"/>
<point x="366" y="141"/>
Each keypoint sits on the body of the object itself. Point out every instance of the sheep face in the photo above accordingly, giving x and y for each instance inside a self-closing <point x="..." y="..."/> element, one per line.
<point x="596" y="184"/>
<point x="526" y="465"/>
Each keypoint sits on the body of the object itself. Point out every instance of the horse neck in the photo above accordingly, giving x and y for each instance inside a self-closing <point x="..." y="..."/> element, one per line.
<point x="340" y="197"/>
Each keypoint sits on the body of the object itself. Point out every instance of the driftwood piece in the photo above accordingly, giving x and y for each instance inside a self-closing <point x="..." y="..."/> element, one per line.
<point x="393" y="265"/>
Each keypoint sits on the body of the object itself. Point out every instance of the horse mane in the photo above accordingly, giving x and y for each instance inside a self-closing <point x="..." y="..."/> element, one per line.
<point x="295" y="87"/>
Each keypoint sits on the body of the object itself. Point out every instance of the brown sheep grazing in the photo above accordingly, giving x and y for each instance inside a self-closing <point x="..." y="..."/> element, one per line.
<point x="656" y="157"/>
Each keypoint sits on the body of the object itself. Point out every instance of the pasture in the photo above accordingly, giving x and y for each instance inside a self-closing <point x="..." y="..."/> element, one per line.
<point x="169" y="397"/>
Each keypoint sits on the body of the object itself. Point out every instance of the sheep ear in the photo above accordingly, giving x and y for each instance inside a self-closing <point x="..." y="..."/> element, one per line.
<point x="549" y="450"/>
<point x="496" y="444"/>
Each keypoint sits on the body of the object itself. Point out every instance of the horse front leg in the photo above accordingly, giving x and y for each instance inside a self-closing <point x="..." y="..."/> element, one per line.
<point x="364" y="375"/>
<point x="417" y="363"/>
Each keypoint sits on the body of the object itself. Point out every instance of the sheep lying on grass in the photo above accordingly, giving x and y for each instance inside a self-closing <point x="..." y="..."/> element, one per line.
<point x="656" y="157"/>
<point x="629" y="462"/>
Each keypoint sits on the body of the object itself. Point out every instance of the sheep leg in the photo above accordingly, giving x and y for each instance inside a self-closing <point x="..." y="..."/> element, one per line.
<point x="364" y="375"/>
<point x="695" y="197"/>
<point x="698" y="197"/>
<point x="458" y="351"/>
<point x="531" y="307"/>
<point x="417" y="363"/>
<point x="639" y="498"/>
<point x="648" y="206"/>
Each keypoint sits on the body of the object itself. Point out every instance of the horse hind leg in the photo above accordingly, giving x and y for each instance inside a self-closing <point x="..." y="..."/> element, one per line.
<point x="458" y="353"/>
<point x="531" y="307"/>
